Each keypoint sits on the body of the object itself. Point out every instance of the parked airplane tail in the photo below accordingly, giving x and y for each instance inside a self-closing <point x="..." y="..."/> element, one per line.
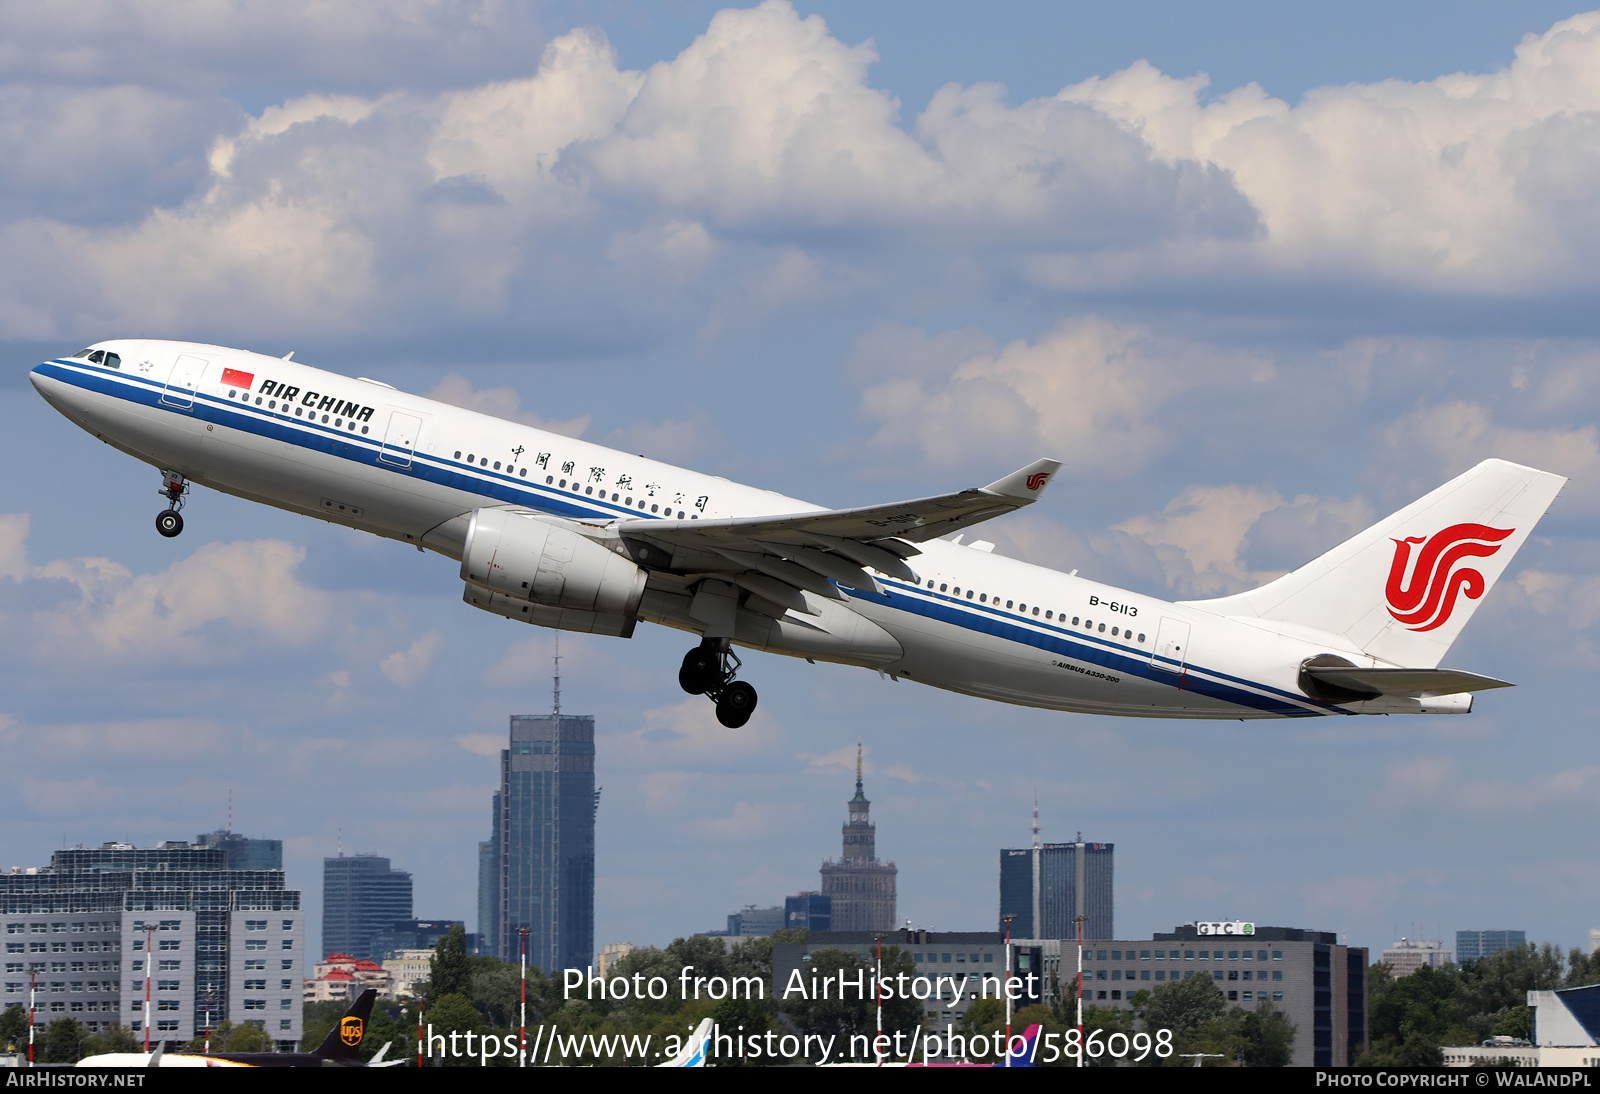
<point x="344" y="1039"/>
<point x="693" y="1052"/>
<point x="1402" y="590"/>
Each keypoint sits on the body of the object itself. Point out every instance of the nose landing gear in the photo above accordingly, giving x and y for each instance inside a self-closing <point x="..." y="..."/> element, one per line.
<point x="173" y="487"/>
<point x="708" y="670"/>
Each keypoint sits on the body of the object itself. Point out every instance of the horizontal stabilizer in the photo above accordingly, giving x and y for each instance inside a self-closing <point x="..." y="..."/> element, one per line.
<point x="1420" y="683"/>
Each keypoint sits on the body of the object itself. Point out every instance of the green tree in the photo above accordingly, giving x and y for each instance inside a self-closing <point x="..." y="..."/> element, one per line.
<point x="316" y="1019"/>
<point x="229" y="1036"/>
<point x="14" y="1027"/>
<point x="116" y="1037"/>
<point x="450" y="972"/>
<point x="1266" y="1035"/>
<point x="62" y="1039"/>
<point x="390" y="1025"/>
<point x="1518" y="1022"/>
<point x="1195" y="1010"/>
<point x="1582" y="968"/>
<point x="1416" y="1050"/>
<point x="1424" y="1002"/>
<point x="1183" y="1006"/>
<point x="496" y="991"/>
<point x="745" y="1018"/>
<point x="448" y="1014"/>
<point x="840" y="1018"/>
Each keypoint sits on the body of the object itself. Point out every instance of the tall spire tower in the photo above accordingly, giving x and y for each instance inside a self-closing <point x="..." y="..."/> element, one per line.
<point x="862" y="886"/>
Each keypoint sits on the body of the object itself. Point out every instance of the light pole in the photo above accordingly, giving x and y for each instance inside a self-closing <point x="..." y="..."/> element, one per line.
<point x="1007" y="918"/>
<point x="522" y="939"/>
<point x="877" y="991"/>
<point x="149" y="967"/>
<point x="1079" y="922"/>
<point x="419" y="1029"/>
<point x="33" y="985"/>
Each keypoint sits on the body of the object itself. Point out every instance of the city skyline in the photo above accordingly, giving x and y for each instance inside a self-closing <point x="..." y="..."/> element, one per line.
<point x="1338" y="260"/>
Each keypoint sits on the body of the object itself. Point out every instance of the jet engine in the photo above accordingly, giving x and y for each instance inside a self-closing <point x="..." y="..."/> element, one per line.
<point x="520" y="560"/>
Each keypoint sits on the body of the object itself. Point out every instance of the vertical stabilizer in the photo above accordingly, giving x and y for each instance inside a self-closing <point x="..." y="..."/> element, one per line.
<point x="1402" y="590"/>
<point x="343" y="1041"/>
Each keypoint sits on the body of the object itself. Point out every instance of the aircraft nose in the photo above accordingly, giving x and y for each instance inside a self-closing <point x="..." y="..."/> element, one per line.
<point x="58" y="392"/>
<point x="43" y="384"/>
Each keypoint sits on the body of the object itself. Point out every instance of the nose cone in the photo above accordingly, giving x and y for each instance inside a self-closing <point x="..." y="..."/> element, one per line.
<point x="46" y="385"/>
<point x="57" y="386"/>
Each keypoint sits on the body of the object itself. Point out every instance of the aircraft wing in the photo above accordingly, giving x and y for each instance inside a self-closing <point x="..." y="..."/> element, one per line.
<point x="1420" y="683"/>
<point x="774" y="556"/>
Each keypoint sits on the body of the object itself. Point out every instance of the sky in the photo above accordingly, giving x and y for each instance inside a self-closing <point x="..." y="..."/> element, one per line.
<point x="1258" y="274"/>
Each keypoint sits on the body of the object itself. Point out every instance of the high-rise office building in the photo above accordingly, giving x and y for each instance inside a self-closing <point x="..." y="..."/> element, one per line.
<point x="1471" y="945"/>
<point x="244" y="853"/>
<point x="809" y="911"/>
<point x="537" y="869"/>
<point x="104" y="929"/>
<point x="1409" y="954"/>
<point x="489" y="890"/>
<point x="861" y="887"/>
<point x="1047" y="886"/>
<point x="1306" y="974"/>
<point x="362" y="896"/>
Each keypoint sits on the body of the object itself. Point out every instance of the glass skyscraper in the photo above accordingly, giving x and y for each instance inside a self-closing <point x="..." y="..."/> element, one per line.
<point x="1471" y="945"/>
<point x="1048" y="886"/>
<point x="362" y="896"/>
<point x="536" y="871"/>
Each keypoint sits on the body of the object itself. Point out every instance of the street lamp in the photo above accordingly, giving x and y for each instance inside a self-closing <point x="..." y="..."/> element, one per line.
<point x="522" y="942"/>
<point x="1079" y="922"/>
<point x="149" y="967"/>
<point x="877" y="991"/>
<point x="1007" y="918"/>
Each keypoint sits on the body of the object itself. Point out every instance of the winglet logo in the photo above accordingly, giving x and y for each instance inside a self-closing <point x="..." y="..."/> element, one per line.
<point x="350" y="1031"/>
<point x="1422" y="591"/>
<point x="1037" y="479"/>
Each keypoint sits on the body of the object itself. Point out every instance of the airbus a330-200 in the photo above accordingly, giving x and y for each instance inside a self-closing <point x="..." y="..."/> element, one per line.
<point x="562" y="533"/>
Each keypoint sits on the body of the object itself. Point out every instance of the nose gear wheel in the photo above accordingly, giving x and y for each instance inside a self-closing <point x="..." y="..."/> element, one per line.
<point x="173" y="487"/>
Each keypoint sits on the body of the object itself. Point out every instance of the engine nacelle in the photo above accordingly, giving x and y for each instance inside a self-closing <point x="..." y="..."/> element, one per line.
<point x="530" y="559"/>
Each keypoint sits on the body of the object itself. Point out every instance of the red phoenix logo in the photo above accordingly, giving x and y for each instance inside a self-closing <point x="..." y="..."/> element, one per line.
<point x="1428" y="598"/>
<point x="1036" y="479"/>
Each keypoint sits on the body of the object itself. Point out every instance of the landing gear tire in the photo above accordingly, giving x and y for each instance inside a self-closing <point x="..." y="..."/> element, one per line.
<point x="709" y="670"/>
<point x="173" y="487"/>
<point x="736" y="704"/>
<point x="701" y="671"/>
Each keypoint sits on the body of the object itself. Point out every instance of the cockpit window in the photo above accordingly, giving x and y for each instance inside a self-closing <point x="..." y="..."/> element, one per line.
<point x="97" y="356"/>
<point x="112" y="360"/>
<point x="81" y="353"/>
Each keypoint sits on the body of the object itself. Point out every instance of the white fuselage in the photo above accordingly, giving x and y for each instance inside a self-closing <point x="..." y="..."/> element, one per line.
<point x="362" y="454"/>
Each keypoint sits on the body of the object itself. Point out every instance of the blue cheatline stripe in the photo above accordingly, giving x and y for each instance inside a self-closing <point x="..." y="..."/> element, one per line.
<point x="1094" y="651"/>
<point x="342" y="444"/>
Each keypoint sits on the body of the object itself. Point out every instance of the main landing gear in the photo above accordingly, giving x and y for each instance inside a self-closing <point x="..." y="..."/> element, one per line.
<point x="708" y="669"/>
<point x="169" y="522"/>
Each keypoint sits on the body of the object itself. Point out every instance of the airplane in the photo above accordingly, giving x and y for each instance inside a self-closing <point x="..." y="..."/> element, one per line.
<point x="693" y="1052"/>
<point x="338" y="1049"/>
<point x="566" y="534"/>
